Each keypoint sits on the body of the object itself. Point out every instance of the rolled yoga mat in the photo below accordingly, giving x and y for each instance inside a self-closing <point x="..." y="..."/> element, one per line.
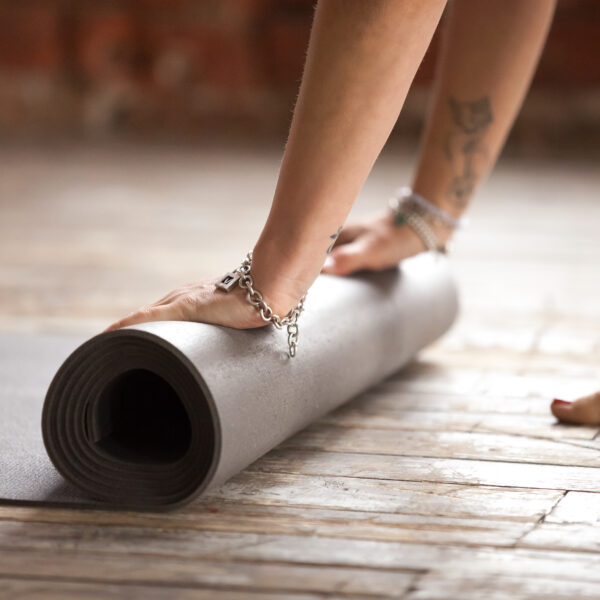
<point x="153" y="415"/>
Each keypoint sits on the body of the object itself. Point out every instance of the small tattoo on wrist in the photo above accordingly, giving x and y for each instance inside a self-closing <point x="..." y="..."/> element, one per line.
<point x="333" y="236"/>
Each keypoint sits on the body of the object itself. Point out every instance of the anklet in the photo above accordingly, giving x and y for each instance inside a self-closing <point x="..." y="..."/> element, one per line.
<point x="243" y="278"/>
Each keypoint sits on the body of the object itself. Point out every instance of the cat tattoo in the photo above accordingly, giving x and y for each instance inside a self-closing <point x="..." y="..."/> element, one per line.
<point x="464" y="147"/>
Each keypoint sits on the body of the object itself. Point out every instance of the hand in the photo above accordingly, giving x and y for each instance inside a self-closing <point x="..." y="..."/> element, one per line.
<point x="200" y="302"/>
<point x="375" y="244"/>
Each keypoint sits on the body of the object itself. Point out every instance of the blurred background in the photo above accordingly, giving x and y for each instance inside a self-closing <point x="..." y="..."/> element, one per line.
<point x="184" y="69"/>
<point x="141" y="142"/>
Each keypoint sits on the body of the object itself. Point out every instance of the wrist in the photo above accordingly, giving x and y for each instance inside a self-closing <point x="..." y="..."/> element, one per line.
<point x="433" y="225"/>
<point x="283" y="272"/>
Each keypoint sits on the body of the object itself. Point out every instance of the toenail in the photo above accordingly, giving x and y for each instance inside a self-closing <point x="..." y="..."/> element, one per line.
<point x="559" y="401"/>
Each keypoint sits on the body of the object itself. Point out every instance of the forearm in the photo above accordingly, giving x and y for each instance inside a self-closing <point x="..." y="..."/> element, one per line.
<point x="488" y="56"/>
<point x="361" y="60"/>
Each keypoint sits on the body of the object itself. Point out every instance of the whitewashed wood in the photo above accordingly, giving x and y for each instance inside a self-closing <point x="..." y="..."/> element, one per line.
<point x="313" y="550"/>
<point x="444" y="585"/>
<point x="445" y="444"/>
<point x="408" y="468"/>
<point x="342" y="493"/>
<point x="378" y="399"/>
<point x="576" y="507"/>
<point x="63" y="590"/>
<point x="180" y="572"/>
<point x="546" y="426"/>
<point x="287" y="520"/>
<point x="98" y="232"/>
<point x="381" y="495"/>
<point x="427" y="377"/>
<point x="564" y="536"/>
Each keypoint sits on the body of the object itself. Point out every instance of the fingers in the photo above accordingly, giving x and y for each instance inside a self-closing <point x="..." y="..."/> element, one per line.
<point x="585" y="410"/>
<point x="170" y="297"/>
<point x="169" y="312"/>
<point x="349" y="233"/>
<point x="348" y="258"/>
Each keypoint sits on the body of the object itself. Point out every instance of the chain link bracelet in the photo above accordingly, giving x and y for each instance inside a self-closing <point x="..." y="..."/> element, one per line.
<point x="242" y="277"/>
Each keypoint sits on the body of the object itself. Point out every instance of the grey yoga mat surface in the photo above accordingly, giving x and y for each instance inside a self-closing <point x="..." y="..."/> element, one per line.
<point x="153" y="415"/>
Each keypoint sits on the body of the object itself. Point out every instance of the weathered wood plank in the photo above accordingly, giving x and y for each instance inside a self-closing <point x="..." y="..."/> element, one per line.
<point x="352" y="515"/>
<point x="573" y="524"/>
<point x="380" y="495"/>
<point x="378" y="399"/>
<point x="287" y="520"/>
<point x="309" y="492"/>
<point x="544" y="383"/>
<point x="446" y="444"/>
<point x="576" y="507"/>
<point x="377" y="417"/>
<point x="563" y="536"/>
<point x="445" y="585"/>
<point x="11" y="587"/>
<point x="421" y="377"/>
<point x="305" y="550"/>
<point x="408" y="468"/>
<point x="181" y="572"/>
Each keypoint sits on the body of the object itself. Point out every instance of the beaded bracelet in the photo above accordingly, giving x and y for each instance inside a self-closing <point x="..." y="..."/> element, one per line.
<point x="412" y="209"/>
<point x="405" y="196"/>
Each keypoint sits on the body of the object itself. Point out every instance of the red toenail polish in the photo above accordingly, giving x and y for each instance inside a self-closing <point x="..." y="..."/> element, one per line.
<point x="559" y="401"/>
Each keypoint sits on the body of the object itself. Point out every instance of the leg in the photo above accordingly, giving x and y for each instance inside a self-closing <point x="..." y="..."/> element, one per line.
<point x="488" y="56"/>
<point x="361" y="60"/>
<point x="477" y="97"/>
<point x="490" y="53"/>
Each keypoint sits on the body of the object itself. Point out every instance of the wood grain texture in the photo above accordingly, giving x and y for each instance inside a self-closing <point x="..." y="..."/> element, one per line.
<point x="448" y="481"/>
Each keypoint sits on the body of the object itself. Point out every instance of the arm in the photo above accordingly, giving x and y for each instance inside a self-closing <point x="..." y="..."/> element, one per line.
<point x="488" y="56"/>
<point x="361" y="60"/>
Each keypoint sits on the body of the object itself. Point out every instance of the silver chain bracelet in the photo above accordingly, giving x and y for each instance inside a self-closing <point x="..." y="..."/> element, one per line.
<point x="413" y="210"/>
<point x="405" y="197"/>
<point x="243" y="278"/>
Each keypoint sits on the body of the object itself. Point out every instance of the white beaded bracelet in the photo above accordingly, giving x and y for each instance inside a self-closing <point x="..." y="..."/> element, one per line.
<point x="405" y="196"/>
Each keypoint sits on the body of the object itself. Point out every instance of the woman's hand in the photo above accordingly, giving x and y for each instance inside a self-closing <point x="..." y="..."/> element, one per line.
<point x="200" y="302"/>
<point x="375" y="244"/>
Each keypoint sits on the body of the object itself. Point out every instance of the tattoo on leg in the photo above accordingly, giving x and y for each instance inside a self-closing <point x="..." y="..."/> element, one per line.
<point x="333" y="236"/>
<point x="464" y="146"/>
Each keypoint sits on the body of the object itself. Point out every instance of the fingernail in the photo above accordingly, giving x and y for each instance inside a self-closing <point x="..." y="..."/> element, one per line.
<point x="559" y="401"/>
<point x="329" y="262"/>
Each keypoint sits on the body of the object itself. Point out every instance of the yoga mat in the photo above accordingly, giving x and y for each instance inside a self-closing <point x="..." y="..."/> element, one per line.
<point x="152" y="415"/>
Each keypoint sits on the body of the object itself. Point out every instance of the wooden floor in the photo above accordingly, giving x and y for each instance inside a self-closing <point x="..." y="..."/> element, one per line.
<point x="448" y="481"/>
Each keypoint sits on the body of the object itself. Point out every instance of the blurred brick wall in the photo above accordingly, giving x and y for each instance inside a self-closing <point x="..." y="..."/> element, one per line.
<point x="183" y="67"/>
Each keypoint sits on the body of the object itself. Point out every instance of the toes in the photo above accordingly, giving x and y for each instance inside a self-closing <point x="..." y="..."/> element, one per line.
<point x="349" y="233"/>
<point x="585" y="410"/>
<point x="348" y="258"/>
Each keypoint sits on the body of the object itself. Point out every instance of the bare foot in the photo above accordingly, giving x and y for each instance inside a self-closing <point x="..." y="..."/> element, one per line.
<point x="585" y="411"/>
